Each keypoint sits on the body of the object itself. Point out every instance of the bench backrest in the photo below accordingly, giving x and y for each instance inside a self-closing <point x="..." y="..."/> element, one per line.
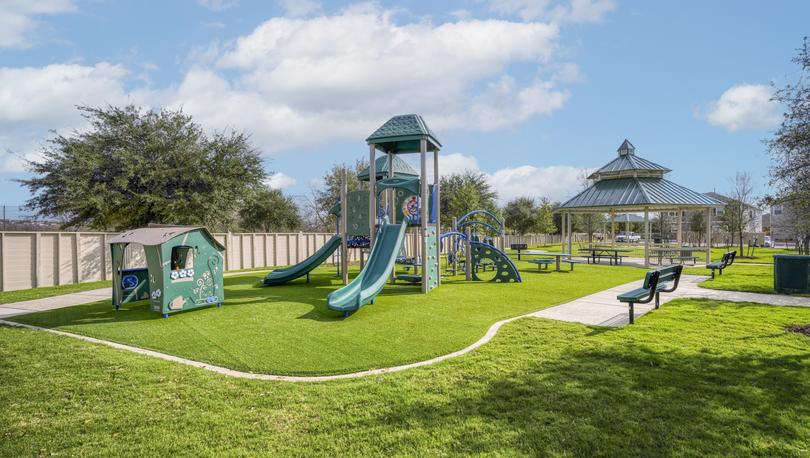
<point x="651" y="279"/>
<point x="730" y="258"/>
<point x="671" y="274"/>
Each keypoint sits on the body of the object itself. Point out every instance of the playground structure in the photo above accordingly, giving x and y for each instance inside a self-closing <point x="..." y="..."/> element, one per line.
<point x="400" y="200"/>
<point x="471" y="248"/>
<point x="184" y="267"/>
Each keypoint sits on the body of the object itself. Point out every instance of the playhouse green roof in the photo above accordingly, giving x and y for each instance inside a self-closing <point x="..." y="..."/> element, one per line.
<point x="158" y="235"/>
<point x="401" y="134"/>
<point x="381" y="167"/>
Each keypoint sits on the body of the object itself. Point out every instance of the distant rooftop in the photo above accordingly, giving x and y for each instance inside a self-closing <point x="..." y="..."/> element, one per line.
<point x="381" y="167"/>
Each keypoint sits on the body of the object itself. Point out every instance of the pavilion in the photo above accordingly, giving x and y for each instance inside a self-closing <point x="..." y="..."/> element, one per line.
<point x="632" y="184"/>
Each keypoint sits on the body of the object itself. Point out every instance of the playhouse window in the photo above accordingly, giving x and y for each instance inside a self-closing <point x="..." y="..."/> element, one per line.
<point x="182" y="257"/>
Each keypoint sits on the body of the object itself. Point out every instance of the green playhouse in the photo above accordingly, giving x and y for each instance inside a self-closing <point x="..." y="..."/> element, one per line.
<point x="184" y="267"/>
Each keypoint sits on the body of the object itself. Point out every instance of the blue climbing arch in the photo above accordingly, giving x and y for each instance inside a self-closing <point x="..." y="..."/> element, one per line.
<point x="506" y="270"/>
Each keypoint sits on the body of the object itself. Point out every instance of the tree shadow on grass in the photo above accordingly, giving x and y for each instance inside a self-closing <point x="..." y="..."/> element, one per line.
<point x="600" y="402"/>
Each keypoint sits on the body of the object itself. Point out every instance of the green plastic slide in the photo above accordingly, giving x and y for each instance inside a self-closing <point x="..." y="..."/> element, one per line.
<point x="375" y="273"/>
<point x="280" y="276"/>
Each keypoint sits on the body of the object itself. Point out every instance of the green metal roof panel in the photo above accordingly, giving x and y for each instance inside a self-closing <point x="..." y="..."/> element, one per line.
<point x="403" y="128"/>
<point x="381" y="167"/>
<point x="627" y="164"/>
<point x="638" y="193"/>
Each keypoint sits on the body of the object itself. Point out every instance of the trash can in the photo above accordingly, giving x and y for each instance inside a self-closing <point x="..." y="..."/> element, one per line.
<point x="791" y="273"/>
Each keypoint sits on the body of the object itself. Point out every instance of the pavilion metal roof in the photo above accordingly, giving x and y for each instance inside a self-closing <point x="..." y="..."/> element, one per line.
<point x="637" y="194"/>
<point x="627" y="164"/>
<point x="381" y="167"/>
<point x="401" y="134"/>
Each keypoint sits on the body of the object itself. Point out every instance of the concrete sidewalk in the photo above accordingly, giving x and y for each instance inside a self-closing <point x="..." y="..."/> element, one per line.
<point x="55" y="302"/>
<point x="602" y="308"/>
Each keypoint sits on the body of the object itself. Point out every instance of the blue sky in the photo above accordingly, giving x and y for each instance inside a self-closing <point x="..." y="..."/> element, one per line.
<point x="530" y="92"/>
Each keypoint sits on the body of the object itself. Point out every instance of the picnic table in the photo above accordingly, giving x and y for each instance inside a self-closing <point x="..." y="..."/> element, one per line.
<point x="673" y="253"/>
<point x="599" y="252"/>
<point x="557" y="256"/>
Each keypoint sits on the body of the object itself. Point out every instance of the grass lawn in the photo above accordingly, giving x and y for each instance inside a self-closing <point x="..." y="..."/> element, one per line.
<point x="694" y="378"/>
<point x="289" y="330"/>
<point x="738" y="277"/>
<point x="7" y="297"/>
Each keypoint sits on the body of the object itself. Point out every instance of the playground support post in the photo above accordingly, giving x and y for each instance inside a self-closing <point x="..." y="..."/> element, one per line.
<point x="391" y="196"/>
<point x="344" y="242"/>
<point x="467" y="254"/>
<point x="437" y="199"/>
<point x="423" y="211"/>
<point x="372" y="195"/>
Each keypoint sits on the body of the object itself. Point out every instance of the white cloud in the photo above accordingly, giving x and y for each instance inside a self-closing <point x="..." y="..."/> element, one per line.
<point x="300" y="8"/>
<point x="279" y="180"/>
<point x="744" y="107"/>
<point x="556" y="182"/>
<point x="297" y="82"/>
<point x="456" y="163"/>
<point x="47" y="96"/>
<point x="217" y="5"/>
<point x="570" y="11"/>
<point x="18" y="21"/>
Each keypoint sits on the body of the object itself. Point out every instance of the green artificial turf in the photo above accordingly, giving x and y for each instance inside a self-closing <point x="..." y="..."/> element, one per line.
<point x="7" y="297"/>
<point x="288" y="329"/>
<point x="738" y="277"/>
<point x="695" y="378"/>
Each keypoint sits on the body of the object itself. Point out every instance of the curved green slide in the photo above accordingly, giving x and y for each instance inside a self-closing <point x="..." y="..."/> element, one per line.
<point x="375" y="273"/>
<point x="280" y="276"/>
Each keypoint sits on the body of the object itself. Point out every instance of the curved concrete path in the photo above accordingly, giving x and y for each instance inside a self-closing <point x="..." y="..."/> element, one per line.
<point x="599" y="309"/>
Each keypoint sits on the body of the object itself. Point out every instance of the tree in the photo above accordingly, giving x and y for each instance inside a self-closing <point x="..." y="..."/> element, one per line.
<point x="789" y="148"/>
<point x="741" y="207"/>
<point x="464" y="192"/>
<point x="545" y="218"/>
<point x="269" y="210"/>
<point x="328" y="194"/>
<point x="133" y="167"/>
<point x="521" y="215"/>
<point x="697" y="224"/>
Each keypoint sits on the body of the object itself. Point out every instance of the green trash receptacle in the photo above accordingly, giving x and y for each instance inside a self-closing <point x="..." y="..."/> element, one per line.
<point x="791" y="273"/>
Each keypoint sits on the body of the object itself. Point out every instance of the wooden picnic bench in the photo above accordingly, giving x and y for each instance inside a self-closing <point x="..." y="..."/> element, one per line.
<point x="725" y="261"/>
<point x="661" y="280"/>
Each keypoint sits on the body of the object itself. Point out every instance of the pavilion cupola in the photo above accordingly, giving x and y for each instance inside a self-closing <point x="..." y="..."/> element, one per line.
<point x="628" y="165"/>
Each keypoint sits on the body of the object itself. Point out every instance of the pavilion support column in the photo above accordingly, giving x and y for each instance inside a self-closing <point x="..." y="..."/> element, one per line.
<point x="423" y="211"/>
<point x="612" y="227"/>
<point x="562" y="232"/>
<point x="646" y="238"/>
<point x="372" y="194"/>
<point x="569" y="233"/>
<point x="708" y="235"/>
<point x="680" y="227"/>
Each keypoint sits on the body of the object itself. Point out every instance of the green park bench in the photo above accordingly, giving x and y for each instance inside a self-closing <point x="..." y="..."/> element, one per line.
<point x="542" y="263"/>
<point x="663" y="280"/>
<point x="725" y="261"/>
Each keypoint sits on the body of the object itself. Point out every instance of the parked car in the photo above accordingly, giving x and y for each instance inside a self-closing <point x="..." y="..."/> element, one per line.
<point x="767" y="243"/>
<point x="629" y="237"/>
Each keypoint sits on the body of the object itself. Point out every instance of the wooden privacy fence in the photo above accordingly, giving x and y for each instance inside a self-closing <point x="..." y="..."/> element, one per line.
<point x="36" y="259"/>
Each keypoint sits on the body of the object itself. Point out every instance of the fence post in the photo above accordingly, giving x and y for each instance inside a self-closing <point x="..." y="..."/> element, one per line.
<point x="2" y="261"/>
<point x="78" y="246"/>
<point x="104" y="256"/>
<point x="37" y="259"/>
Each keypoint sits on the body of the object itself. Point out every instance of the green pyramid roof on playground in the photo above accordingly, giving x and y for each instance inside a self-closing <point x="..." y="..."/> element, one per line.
<point x="401" y="168"/>
<point x="401" y="134"/>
